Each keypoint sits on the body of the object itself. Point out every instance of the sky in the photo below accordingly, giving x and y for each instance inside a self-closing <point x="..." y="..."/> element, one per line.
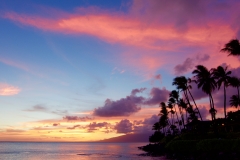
<point x="87" y="70"/>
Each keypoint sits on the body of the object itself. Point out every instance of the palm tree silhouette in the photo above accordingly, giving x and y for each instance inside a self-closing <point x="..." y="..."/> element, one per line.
<point x="163" y="121"/>
<point x="232" y="47"/>
<point x="207" y="83"/>
<point x="173" y="100"/>
<point x="222" y="76"/>
<point x="156" y="126"/>
<point x="235" y="82"/>
<point x="234" y="101"/>
<point x="182" y="85"/>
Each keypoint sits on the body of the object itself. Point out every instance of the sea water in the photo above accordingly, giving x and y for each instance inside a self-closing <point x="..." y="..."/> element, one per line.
<point x="71" y="151"/>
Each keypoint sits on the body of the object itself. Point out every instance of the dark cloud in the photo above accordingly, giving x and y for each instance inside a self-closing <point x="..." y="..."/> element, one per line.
<point x="56" y="124"/>
<point x="77" y="118"/>
<point x="93" y="126"/>
<point x="37" y="108"/>
<point x="150" y="121"/>
<point x="157" y="96"/>
<point x="131" y="104"/>
<point x="183" y="68"/>
<point x="123" y="107"/>
<point x="75" y="126"/>
<point x="124" y="126"/>
<point x="190" y="63"/>
<point x="135" y="91"/>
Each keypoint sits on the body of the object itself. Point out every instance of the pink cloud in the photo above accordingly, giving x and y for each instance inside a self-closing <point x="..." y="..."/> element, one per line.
<point x="8" y="90"/>
<point x="161" y="29"/>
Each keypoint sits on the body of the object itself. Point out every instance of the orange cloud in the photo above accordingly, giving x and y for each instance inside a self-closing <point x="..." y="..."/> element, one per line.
<point x="8" y="90"/>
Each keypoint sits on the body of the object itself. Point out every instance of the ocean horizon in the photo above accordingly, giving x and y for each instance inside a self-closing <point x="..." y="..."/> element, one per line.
<point x="72" y="151"/>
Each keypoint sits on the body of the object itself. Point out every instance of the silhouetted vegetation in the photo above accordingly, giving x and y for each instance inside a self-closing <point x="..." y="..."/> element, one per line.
<point x="181" y="132"/>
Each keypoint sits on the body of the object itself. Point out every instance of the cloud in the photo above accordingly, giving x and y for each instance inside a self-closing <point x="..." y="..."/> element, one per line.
<point x="123" y="107"/>
<point x="56" y="124"/>
<point x="157" y="95"/>
<point x="135" y="91"/>
<point x="37" y="108"/>
<point x="77" y="118"/>
<point x="124" y="126"/>
<point x="73" y="127"/>
<point x="94" y="126"/>
<point x="150" y="121"/>
<point x="149" y="26"/>
<point x="8" y="90"/>
<point x="189" y="64"/>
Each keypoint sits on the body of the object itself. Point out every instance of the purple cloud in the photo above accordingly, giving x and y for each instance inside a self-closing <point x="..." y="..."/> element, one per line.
<point x="76" y="118"/>
<point x="157" y="96"/>
<point x="123" y="107"/>
<point x="73" y="127"/>
<point x="124" y="126"/>
<point x="190" y="63"/>
<point x="135" y="91"/>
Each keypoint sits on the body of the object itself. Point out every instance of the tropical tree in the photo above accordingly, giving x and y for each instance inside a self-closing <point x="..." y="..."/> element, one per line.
<point x="234" y="101"/>
<point x="182" y="84"/>
<point x="182" y="105"/>
<point x="207" y="83"/>
<point x="235" y="82"/>
<point x="163" y="121"/>
<point x="156" y="126"/>
<point x="232" y="47"/>
<point x="173" y="101"/>
<point x="223" y="78"/>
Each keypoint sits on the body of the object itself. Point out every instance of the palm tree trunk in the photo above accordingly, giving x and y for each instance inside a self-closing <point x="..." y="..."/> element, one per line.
<point x="214" y="115"/>
<point x="225" y="114"/>
<point x="195" y="104"/>
<point x="210" y="106"/>
<point x="177" y="117"/>
<point x="238" y="97"/>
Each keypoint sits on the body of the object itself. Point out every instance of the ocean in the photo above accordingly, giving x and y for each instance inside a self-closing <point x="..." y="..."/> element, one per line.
<point x="71" y="151"/>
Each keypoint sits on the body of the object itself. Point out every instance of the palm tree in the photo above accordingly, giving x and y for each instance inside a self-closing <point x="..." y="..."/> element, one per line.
<point x="182" y="84"/>
<point x="156" y="126"/>
<point x="173" y="100"/>
<point x="234" y="101"/>
<point x="183" y="105"/>
<point x="206" y="82"/>
<point x="235" y="82"/>
<point x="163" y="121"/>
<point x="223" y="78"/>
<point x="232" y="47"/>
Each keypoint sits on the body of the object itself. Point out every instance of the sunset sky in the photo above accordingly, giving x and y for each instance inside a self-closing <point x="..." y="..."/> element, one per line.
<point x="86" y="70"/>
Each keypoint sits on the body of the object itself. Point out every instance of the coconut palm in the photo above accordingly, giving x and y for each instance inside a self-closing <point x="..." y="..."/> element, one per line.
<point x="232" y="47"/>
<point x="234" y="101"/>
<point x="206" y="82"/>
<point x="235" y="82"/>
<point x="173" y="100"/>
<point x="182" y="85"/>
<point x="182" y="105"/>
<point x="156" y="126"/>
<point x="223" y="78"/>
<point x="163" y="121"/>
